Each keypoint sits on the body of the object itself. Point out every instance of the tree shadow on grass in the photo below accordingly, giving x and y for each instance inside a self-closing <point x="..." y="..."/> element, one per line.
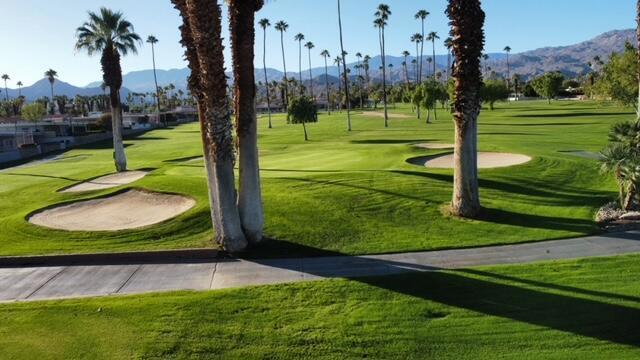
<point x="43" y="176"/>
<point x="572" y="114"/>
<point x="388" y="141"/>
<point x="479" y="291"/>
<point x="559" y="197"/>
<point x="540" y="124"/>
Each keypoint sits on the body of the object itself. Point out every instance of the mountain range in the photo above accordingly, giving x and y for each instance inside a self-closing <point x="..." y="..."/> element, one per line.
<point x="571" y="60"/>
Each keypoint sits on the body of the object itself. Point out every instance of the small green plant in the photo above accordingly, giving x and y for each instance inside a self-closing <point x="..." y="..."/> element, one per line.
<point x="34" y="112"/>
<point x="494" y="90"/>
<point x="302" y="110"/>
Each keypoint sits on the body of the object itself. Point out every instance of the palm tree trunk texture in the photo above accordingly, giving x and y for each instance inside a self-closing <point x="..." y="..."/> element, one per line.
<point x="467" y="20"/>
<point x="201" y="32"/>
<point x="266" y="80"/>
<point x="344" y="70"/>
<point x="241" y="20"/>
<point x="638" y="47"/>
<point x="113" y="79"/>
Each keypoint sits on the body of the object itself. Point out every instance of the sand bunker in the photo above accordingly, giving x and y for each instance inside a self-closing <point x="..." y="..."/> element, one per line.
<point x="486" y="160"/>
<point x="128" y="210"/>
<point x="381" y="115"/>
<point x="434" y="146"/>
<point x="109" y="181"/>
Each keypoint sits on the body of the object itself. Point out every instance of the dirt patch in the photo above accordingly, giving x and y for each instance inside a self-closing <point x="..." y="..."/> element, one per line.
<point x="391" y="115"/>
<point x="434" y="146"/>
<point x="486" y="160"/>
<point x="128" y="210"/>
<point x="108" y="181"/>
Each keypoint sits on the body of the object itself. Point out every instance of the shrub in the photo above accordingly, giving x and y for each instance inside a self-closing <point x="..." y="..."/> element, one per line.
<point x="302" y="110"/>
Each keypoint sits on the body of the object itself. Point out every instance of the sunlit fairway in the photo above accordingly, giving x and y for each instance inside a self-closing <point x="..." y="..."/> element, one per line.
<point x="584" y="309"/>
<point x="340" y="192"/>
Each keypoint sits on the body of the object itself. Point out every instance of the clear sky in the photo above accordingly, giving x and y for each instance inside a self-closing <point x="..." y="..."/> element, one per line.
<point x="39" y="34"/>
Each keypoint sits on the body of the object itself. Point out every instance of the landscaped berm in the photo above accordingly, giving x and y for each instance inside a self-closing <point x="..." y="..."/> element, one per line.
<point x="453" y="200"/>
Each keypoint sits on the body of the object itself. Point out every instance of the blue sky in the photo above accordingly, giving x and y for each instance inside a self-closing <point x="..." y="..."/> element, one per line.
<point x="39" y="34"/>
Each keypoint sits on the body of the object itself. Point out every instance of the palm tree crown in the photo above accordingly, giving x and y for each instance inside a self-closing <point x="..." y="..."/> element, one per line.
<point x="264" y="23"/>
<point x="152" y="40"/>
<point x="282" y="26"/>
<point x="422" y="14"/>
<point x="107" y="29"/>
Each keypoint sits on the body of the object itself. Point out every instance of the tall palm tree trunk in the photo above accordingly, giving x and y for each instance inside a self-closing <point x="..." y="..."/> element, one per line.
<point x="113" y="79"/>
<point x="310" y="76"/>
<point x="326" y="83"/>
<point x="421" y="53"/>
<point x="433" y="46"/>
<point x="344" y="70"/>
<point x="300" y="66"/>
<point x="155" y="79"/>
<point x="264" y="67"/>
<point x="638" y="47"/>
<point x="467" y="20"/>
<point x="418" y="71"/>
<point x="384" y="78"/>
<point x="201" y="32"/>
<point x="284" y="65"/>
<point x="241" y="20"/>
<point x="339" y="89"/>
<point x="116" y="124"/>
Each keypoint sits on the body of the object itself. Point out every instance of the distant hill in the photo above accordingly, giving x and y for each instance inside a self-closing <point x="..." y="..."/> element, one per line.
<point x="570" y="60"/>
<point x="42" y="88"/>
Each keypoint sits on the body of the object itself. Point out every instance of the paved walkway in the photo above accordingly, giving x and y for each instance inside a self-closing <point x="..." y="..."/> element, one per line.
<point x="56" y="282"/>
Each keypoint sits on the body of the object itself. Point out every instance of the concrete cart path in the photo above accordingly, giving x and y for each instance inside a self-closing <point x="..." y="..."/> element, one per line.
<point x="58" y="282"/>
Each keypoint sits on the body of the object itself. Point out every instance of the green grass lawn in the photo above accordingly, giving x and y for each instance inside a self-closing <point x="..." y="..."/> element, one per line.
<point x="583" y="309"/>
<point x="351" y="193"/>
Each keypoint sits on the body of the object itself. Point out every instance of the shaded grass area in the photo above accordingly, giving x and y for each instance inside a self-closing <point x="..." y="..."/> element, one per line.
<point x="350" y="192"/>
<point x="587" y="309"/>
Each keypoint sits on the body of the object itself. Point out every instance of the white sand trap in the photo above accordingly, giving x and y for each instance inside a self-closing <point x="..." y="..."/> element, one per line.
<point x="486" y="160"/>
<point x="128" y="210"/>
<point x="434" y="146"/>
<point x="381" y="115"/>
<point x="108" y="181"/>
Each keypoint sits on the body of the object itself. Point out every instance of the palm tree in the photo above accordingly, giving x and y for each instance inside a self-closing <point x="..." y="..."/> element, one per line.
<point x="638" y="47"/>
<point x="111" y="34"/>
<point x="433" y="36"/>
<point x="264" y="24"/>
<point x="309" y="45"/>
<point x="382" y="15"/>
<point x="19" y="83"/>
<point x="282" y="27"/>
<point x="507" y="50"/>
<point x="485" y="58"/>
<point x="153" y="41"/>
<point x="344" y="69"/>
<point x="359" y="77"/>
<point x="448" y="43"/>
<point x="242" y="29"/>
<point x="6" y="77"/>
<point x="417" y="39"/>
<point x="405" y="54"/>
<point x="201" y="37"/>
<point x="422" y="16"/>
<point x="299" y="37"/>
<point x="51" y="75"/>
<point x="467" y="21"/>
<point x="325" y="54"/>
